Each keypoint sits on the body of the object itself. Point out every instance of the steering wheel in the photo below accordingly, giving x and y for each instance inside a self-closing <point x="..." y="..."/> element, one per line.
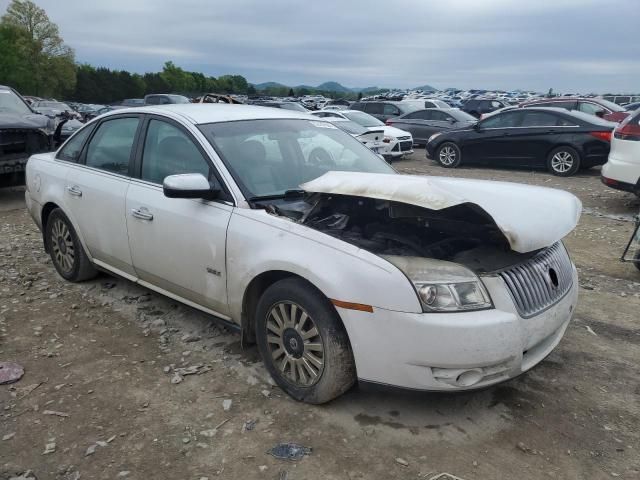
<point x="319" y="157"/>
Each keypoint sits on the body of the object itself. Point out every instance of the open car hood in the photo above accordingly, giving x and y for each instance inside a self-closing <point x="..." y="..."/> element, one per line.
<point x="530" y="217"/>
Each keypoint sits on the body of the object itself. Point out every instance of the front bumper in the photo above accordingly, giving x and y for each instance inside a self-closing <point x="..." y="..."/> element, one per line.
<point x="455" y="351"/>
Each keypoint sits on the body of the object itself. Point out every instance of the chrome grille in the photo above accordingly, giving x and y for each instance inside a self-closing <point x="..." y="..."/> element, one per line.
<point x="541" y="281"/>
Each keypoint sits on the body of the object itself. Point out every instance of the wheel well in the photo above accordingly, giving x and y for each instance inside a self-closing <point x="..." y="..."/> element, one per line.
<point x="252" y="295"/>
<point x="573" y="147"/>
<point x="46" y="211"/>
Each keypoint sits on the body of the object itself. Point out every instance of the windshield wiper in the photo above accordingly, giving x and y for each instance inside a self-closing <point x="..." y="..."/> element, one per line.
<point x="287" y="194"/>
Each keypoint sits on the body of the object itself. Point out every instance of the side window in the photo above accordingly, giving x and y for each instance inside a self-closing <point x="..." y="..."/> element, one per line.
<point x="321" y="114"/>
<point x="429" y="105"/>
<point x="419" y="115"/>
<point x="71" y="151"/>
<point x="110" y="147"/>
<point x="502" y="120"/>
<point x="590" y="108"/>
<point x="169" y="151"/>
<point x="390" y="109"/>
<point x="358" y="106"/>
<point x="540" y="119"/>
<point x="374" y="108"/>
<point x="439" y="116"/>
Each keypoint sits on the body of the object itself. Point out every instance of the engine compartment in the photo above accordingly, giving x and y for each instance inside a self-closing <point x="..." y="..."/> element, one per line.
<point x="464" y="233"/>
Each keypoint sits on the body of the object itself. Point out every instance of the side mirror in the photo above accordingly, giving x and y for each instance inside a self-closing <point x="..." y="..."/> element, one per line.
<point x="189" y="185"/>
<point x="600" y="113"/>
<point x="477" y="127"/>
<point x="451" y="120"/>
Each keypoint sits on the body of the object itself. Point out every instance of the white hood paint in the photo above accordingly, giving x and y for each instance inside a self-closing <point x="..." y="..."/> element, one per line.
<point x="391" y="131"/>
<point x="530" y="217"/>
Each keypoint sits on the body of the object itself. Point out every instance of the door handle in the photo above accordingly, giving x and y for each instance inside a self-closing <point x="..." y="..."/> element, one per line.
<point x="74" y="190"/>
<point x="142" y="213"/>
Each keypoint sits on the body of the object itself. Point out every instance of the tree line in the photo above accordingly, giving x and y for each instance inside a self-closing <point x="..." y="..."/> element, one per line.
<point x="35" y="61"/>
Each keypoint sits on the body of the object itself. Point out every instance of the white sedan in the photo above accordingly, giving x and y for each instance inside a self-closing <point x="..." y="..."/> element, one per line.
<point x="398" y="142"/>
<point x="341" y="269"/>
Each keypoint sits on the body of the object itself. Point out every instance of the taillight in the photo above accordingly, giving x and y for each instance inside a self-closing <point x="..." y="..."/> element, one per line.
<point x="388" y="122"/>
<point x="629" y="129"/>
<point x="606" y="136"/>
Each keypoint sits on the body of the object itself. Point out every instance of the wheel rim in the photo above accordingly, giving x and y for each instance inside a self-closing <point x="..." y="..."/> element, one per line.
<point x="62" y="246"/>
<point x="562" y="161"/>
<point x="295" y="344"/>
<point x="447" y="155"/>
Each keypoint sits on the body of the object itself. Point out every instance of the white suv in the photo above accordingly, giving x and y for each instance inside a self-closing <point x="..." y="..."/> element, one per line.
<point x="338" y="267"/>
<point x="622" y="171"/>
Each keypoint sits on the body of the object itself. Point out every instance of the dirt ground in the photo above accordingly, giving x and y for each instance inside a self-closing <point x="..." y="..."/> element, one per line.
<point x="97" y="399"/>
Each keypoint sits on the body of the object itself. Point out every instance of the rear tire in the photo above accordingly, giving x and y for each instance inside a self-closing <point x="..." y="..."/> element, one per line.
<point x="303" y="343"/>
<point x="563" y="161"/>
<point x="64" y="246"/>
<point x="448" y="155"/>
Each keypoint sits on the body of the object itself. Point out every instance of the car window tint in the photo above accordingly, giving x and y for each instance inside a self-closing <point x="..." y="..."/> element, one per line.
<point x="590" y="108"/>
<point x="502" y="120"/>
<point x="72" y="149"/>
<point x="374" y="108"/>
<point x="541" y="119"/>
<point x="390" y="109"/>
<point x="110" y="147"/>
<point x="429" y="105"/>
<point x="169" y="151"/>
<point x="439" y="116"/>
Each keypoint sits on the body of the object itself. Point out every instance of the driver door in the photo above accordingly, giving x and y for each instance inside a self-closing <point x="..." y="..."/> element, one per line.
<point x="178" y="246"/>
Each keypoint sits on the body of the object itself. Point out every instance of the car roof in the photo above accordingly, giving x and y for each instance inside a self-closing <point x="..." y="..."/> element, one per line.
<point x="199" y="113"/>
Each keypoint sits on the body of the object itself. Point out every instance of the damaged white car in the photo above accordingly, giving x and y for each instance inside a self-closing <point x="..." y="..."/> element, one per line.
<point x="339" y="268"/>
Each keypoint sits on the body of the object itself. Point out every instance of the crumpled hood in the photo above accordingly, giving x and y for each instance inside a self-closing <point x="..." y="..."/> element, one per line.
<point x="529" y="217"/>
<point x="12" y="120"/>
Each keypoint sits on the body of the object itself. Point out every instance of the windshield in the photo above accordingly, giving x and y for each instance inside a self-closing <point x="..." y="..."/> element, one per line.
<point x="348" y="126"/>
<point x="58" y="105"/>
<point x="269" y="157"/>
<point x="293" y="106"/>
<point x="614" y="107"/>
<point x="10" y="102"/>
<point x="363" y="119"/>
<point x="179" y="99"/>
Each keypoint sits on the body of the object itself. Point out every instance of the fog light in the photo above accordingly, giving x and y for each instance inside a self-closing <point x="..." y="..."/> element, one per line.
<point x="469" y="378"/>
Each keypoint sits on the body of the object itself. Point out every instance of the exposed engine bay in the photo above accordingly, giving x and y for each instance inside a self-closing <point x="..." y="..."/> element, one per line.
<point x="463" y="233"/>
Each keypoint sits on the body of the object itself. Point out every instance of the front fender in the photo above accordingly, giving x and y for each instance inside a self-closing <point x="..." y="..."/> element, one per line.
<point x="258" y="242"/>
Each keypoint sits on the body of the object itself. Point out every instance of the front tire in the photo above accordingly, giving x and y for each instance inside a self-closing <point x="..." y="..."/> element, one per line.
<point x="449" y="155"/>
<point x="303" y="343"/>
<point x="67" y="254"/>
<point x="563" y="161"/>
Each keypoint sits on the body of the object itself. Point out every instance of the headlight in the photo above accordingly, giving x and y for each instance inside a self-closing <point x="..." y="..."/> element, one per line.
<point x="433" y="137"/>
<point x="388" y="139"/>
<point x="443" y="286"/>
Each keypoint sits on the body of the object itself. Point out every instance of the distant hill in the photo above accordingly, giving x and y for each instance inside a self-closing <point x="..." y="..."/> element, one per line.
<point x="265" y="85"/>
<point x="325" y="87"/>
<point x="333" y="87"/>
<point x="426" y="88"/>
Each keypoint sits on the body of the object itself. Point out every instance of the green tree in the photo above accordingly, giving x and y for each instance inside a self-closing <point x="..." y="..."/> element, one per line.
<point x="50" y="60"/>
<point x="15" y="66"/>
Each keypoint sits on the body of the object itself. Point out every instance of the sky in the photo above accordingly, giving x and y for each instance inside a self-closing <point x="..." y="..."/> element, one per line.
<point x="568" y="45"/>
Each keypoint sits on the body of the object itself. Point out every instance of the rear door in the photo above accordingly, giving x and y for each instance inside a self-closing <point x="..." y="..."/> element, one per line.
<point x="416" y="124"/>
<point x="177" y="245"/>
<point x="541" y="131"/>
<point x="96" y="189"/>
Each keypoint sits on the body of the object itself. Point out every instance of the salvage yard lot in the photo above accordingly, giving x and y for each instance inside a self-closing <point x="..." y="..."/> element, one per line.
<point x="105" y="352"/>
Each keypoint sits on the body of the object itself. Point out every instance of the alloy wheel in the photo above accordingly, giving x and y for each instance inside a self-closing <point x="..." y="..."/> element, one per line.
<point x="562" y="161"/>
<point x="62" y="246"/>
<point x="295" y="344"/>
<point x="447" y="155"/>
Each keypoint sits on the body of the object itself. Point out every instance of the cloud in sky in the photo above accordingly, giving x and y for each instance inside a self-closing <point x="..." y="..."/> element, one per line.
<point x="570" y="45"/>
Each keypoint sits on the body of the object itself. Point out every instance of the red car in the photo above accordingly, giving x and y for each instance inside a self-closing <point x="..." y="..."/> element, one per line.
<point x="594" y="106"/>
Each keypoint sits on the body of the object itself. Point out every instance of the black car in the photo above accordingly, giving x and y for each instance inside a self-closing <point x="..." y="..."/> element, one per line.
<point x="479" y="106"/>
<point x="552" y="138"/>
<point x="424" y="123"/>
<point x="23" y="132"/>
<point x="384" y="110"/>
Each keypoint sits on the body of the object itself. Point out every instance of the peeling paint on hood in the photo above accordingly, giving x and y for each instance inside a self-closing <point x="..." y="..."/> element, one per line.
<point x="530" y="217"/>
